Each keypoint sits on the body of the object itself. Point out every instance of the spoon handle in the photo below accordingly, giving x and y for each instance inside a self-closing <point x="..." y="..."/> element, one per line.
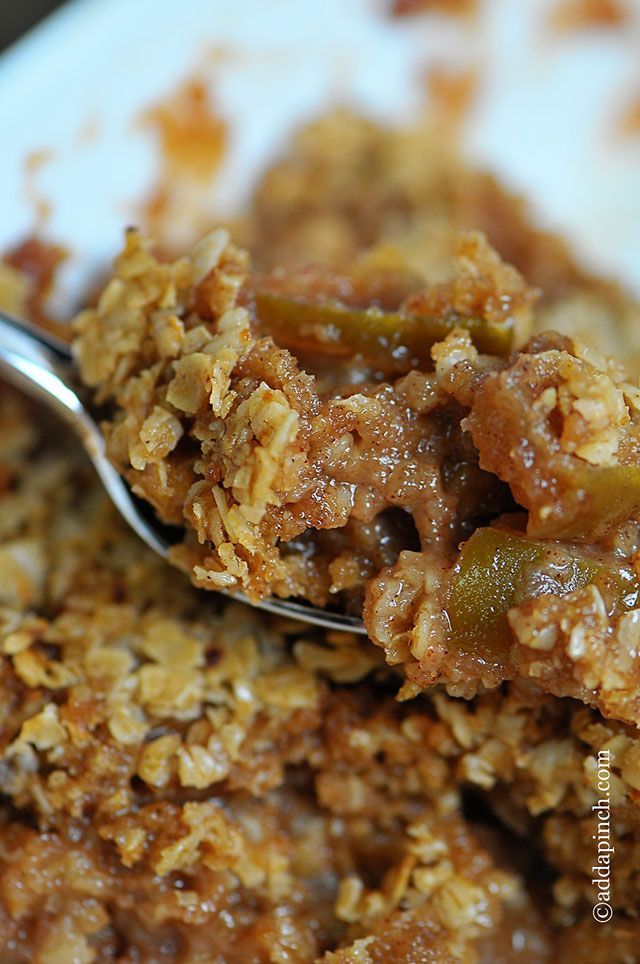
<point x="39" y="364"/>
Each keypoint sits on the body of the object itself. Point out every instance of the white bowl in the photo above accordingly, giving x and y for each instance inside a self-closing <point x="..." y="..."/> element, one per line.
<point x="545" y="118"/>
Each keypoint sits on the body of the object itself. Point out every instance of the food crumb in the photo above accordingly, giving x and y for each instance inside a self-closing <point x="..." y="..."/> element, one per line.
<point x="451" y="95"/>
<point x="192" y="139"/>
<point x="88" y="130"/>
<point x="455" y="8"/>
<point x="629" y="121"/>
<point x="570" y="15"/>
<point x="36" y="262"/>
<point x="33" y="165"/>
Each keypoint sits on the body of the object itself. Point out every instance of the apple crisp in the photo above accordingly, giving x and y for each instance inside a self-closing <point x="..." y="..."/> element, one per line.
<point x="385" y="392"/>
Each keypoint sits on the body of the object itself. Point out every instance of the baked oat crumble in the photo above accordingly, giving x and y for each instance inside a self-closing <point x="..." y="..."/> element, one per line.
<point x="185" y="779"/>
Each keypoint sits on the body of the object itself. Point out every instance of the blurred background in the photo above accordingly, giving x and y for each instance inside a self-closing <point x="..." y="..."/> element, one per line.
<point x="84" y="93"/>
<point x="17" y="16"/>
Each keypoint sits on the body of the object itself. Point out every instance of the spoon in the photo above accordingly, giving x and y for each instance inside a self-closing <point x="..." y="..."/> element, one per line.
<point x="41" y="365"/>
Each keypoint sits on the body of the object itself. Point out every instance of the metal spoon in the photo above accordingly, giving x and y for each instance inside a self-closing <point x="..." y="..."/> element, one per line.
<point x="41" y="364"/>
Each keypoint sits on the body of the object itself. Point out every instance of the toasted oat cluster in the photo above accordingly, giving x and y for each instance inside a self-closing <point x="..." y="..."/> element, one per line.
<point x="359" y="403"/>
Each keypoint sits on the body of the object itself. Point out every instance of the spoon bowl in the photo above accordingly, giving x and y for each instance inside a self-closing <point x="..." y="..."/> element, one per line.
<point x="41" y="365"/>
